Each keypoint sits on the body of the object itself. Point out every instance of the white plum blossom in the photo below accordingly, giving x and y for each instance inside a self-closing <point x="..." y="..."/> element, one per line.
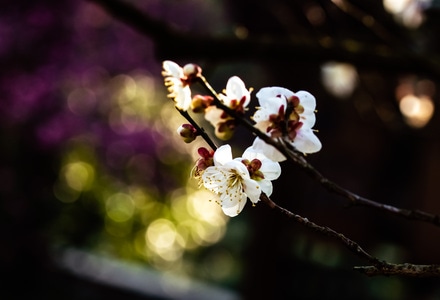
<point x="237" y="97"/>
<point x="283" y="113"/>
<point x="277" y="96"/>
<point x="230" y="180"/>
<point x="235" y="180"/>
<point x="261" y="168"/>
<point x="236" y="94"/>
<point x="178" y="79"/>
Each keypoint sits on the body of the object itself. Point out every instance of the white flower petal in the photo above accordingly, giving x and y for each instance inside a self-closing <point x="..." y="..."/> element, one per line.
<point x="269" y="106"/>
<point x="307" y="101"/>
<point x="306" y="141"/>
<point x="236" y="90"/>
<point x="172" y="69"/>
<point x="266" y="186"/>
<point x="250" y="153"/>
<point x="270" y="169"/>
<point x="261" y="115"/>
<point x="222" y="155"/>
<point x="182" y="97"/>
<point x="213" y="115"/>
<point x="233" y="195"/>
<point x="234" y="210"/>
<point x="252" y="190"/>
<point x="308" y="119"/>
<point x="274" y="91"/>
<point x="268" y="150"/>
<point x="181" y="93"/>
<point x="215" y="179"/>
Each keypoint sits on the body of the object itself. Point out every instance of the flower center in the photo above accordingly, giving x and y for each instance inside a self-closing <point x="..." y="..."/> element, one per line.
<point x="238" y="105"/>
<point x="254" y="168"/>
<point x="287" y="121"/>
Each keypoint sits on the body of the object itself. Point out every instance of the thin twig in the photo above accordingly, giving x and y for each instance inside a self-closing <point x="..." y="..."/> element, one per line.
<point x="199" y="129"/>
<point x="409" y="270"/>
<point x="348" y="243"/>
<point x="356" y="200"/>
<point x="378" y="268"/>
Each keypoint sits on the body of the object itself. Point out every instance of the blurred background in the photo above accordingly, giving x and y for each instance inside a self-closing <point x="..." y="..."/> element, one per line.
<point x="96" y="196"/>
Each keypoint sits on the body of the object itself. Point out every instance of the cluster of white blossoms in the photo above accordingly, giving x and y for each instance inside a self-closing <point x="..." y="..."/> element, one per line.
<point x="281" y="114"/>
<point x="236" y="180"/>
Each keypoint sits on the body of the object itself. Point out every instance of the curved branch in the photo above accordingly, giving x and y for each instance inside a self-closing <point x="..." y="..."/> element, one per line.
<point x="379" y="267"/>
<point x="348" y="243"/>
<point x="290" y="153"/>
<point x="356" y="200"/>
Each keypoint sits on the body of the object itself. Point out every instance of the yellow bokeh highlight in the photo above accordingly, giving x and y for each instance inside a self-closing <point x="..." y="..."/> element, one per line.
<point x="134" y="104"/>
<point x="201" y="207"/>
<point x="139" y="220"/>
<point x="163" y="240"/>
<point x="79" y="175"/>
<point x="120" y="207"/>
<point x="200" y="221"/>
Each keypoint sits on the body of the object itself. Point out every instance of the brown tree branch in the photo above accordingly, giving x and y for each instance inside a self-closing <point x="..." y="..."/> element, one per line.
<point x="409" y="270"/>
<point x="351" y="51"/>
<point x="348" y="243"/>
<point x="356" y="200"/>
<point x="290" y="153"/>
<point x="379" y="267"/>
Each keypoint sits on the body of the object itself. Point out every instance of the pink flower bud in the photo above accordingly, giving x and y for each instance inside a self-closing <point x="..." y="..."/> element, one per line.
<point x="191" y="71"/>
<point x="188" y="132"/>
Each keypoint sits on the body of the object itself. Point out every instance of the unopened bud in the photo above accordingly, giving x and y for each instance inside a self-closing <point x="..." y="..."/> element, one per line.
<point x="255" y="164"/>
<point x="199" y="103"/>
<point x="206" y="159"/>
<point x="192" y="70"/>
<point x="188" y="132"/>
<point x="205" y="153"/>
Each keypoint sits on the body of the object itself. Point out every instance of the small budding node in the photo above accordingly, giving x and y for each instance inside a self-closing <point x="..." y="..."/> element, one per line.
<point x="188" y="132"/>
<point x="192" y="71"/>
<point x="199" y="103"/>
<point x="206" y="159"/>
